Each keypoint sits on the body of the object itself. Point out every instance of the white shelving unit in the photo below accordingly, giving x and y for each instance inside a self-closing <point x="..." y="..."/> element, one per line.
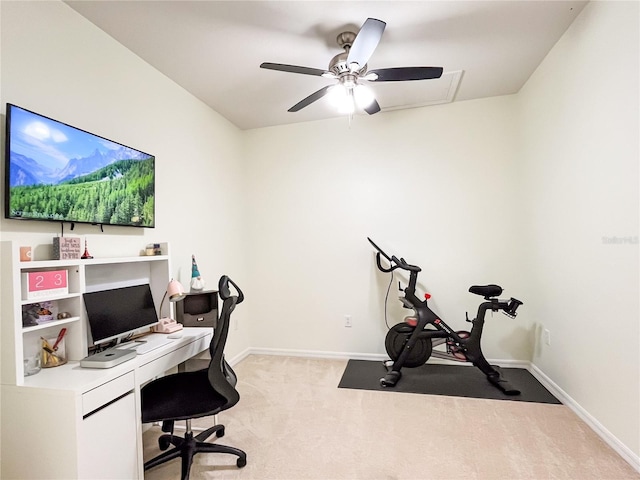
<point x="20" y="342"/>
<point x="94" y="413"/>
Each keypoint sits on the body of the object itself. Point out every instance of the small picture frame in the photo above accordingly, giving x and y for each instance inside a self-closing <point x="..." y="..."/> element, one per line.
<point x="66" y="248"/>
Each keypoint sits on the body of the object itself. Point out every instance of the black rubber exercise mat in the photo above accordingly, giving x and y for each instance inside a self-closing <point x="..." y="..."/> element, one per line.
<point x="452" y="380"/>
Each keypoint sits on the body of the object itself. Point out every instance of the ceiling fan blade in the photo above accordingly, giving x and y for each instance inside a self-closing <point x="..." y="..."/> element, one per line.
<point x="373" y="108"/>
<point x="310" y="99"/>
<point x="365" y="43"/>
<point x="400" y="74"/>
<point x="293" y="69"/>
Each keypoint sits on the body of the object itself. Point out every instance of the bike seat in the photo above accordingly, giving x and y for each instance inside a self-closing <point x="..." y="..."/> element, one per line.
<point x="486" y="291"/>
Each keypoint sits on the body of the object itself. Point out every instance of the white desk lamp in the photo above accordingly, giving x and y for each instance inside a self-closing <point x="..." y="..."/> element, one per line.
<point x="175" y="292"/>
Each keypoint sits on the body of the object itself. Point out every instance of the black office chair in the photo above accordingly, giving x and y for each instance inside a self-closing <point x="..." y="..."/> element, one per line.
<point x="187" y="395"/>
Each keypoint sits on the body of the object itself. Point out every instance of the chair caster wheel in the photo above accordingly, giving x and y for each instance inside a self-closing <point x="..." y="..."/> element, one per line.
<point x="163" y="443"/>
<point x="242" y="462"/>
<point x="220" y="433"/>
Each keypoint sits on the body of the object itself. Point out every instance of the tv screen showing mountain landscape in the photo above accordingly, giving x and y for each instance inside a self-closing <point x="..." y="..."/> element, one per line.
<point x="61" y="173"/>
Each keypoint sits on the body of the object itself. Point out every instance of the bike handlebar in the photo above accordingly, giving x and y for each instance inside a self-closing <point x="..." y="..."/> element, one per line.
<point x="509" y="308"/>
<point x="513" y="305"/>
<point x="385" y="270"/>
<point x="394" y="262"/>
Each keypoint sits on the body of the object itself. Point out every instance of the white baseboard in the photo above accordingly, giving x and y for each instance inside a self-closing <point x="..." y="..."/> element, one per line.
<point x="629" y="456"/>
<point x="317" y="354"/>
<point x="364" y="356"/>
<point x="233" y="361"/>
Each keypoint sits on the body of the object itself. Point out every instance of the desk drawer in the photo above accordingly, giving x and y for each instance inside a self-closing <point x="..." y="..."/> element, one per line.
<point x="99" y="396"/>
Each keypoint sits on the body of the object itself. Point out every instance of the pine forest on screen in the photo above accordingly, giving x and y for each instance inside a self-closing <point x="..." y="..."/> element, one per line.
<point x="121" y="193"/>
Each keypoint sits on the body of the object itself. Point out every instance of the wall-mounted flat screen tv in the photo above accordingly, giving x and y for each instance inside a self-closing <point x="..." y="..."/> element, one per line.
<point x="57" y="172"/>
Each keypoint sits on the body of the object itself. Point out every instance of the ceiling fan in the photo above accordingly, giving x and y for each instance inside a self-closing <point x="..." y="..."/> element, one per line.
<point x="350" y="68"/>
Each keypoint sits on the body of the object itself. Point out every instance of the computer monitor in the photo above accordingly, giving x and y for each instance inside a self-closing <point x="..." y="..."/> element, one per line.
<point x="119" y="312"/>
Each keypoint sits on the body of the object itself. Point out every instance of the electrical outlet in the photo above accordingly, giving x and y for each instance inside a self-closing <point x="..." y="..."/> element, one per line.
<point x="347" y="321"/>
<point x="546" y="334"/>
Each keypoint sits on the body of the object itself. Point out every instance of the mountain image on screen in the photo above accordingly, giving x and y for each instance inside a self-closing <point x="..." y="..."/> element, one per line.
<point x="57" y="172"/>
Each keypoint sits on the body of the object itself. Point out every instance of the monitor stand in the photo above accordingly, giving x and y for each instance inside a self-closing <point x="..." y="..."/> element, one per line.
<point x="108" y="358"/>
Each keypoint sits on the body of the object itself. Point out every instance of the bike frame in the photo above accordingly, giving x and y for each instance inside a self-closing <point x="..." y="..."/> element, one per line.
<point x="469" y="346"/>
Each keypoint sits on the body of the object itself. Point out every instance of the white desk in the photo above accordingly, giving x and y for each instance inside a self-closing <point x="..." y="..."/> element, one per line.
<point x="72" y="422"/>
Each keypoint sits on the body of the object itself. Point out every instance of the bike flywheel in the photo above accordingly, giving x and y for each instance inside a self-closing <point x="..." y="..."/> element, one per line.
<point x="395" y="342"/>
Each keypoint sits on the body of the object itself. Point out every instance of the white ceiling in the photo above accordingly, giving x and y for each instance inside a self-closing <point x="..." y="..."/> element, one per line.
<point x="213" y="49"/>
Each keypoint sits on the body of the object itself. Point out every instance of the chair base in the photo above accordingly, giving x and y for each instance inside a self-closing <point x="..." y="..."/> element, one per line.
<point x="187" y="447"/>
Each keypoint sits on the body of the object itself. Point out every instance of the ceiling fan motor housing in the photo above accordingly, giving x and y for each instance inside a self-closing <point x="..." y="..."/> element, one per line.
<point x="346" y="39"/>
<point x="338" y="64"/>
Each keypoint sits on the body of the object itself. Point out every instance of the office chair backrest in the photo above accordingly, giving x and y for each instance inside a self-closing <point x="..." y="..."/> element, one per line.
<point x="223" y="289"/>
<point x="221" y="375"/>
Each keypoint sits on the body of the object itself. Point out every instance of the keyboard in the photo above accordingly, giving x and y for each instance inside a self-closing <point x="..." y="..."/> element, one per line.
<point x="146" y="345"/>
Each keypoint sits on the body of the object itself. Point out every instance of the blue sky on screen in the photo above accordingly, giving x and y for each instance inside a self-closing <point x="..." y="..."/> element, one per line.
<point x="51" y="143"/>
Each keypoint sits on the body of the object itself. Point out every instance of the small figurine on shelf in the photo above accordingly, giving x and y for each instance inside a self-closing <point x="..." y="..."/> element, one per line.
<point x="86" y="255"/>
<point x="197" y="283"/>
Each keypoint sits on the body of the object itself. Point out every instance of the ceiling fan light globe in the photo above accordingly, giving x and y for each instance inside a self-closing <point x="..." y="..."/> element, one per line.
<point x="363" y="96"/>
<point x="341" y="97"/>
<point x="347" y="108"/>
<point x="337" y="95"/>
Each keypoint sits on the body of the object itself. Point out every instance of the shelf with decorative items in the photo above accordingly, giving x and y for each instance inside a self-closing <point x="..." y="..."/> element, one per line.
<point x="54" y="323"/>
<point x="44" y="299"/>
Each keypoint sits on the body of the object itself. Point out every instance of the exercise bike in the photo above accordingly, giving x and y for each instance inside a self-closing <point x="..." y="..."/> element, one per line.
<point x="410" y="343"/>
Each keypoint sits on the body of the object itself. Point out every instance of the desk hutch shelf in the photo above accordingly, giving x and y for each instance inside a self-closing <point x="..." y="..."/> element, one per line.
<point x="21" y="342"/>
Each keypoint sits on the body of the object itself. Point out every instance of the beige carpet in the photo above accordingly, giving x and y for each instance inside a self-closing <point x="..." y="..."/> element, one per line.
<point x="295" y="424"/>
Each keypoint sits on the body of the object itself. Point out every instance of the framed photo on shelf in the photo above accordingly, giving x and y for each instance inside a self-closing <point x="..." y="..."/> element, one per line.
<point x="66" y="248"/>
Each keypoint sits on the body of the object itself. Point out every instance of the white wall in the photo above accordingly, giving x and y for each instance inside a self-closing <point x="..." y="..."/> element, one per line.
<point x="524" y="191"/>
<point x="580" y="138"/>
<point x="433" y="185"/>
<point x="58" y="64"/>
